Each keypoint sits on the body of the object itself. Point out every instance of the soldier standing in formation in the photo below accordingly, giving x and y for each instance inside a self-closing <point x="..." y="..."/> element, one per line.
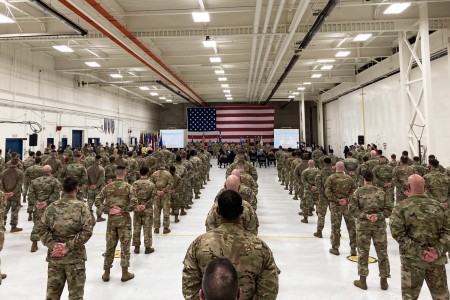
<point x="95" y="182"/>
<point x="310" y="190"/>
<point x="3" y="201"/>
<point x="11" y="183"/>
<point x="323" y="202"/>
<point x="400" y="176"/>
<point x="163" y="181"/>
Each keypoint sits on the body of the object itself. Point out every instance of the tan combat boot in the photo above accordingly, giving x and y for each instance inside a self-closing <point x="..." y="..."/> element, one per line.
<point x="149" y="250"/>
<point x="361" y="283"/>
<point x="4" y="276"/>
<point x="305" y="219"/>
<point x="136" y="249"/>
<point x="100" y="219"/>
<point x="16" y="229"/>
<point x="318" y="234"/>
<point x="197" y="196"/>
<point x="105" y="276"/>
<point x="183" y="212"/>
<point x="177" y="219"/>
<point x="166" y="231"/>
<point x="126" y="275"/>
<point x="34" y="246"/>
<point x="295" y="198"/>
<point x="334" y="251"/>
<point x="156" y="230"/>
<point x="384" y="284"/>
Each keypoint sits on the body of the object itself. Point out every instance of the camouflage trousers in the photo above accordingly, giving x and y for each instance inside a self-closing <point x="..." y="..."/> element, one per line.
<point x="308" y="201"/>
<point x="74" y="274"/>
<point x="287" y="178"/>
<point x="196" y="183"/>
<point x="13" y="204"/>
<point x="143" y="220"/>
<point x="413" y="277"/>
<point x="91" y="200"/>
<point x="298" y="189"/>
<point x="118" y="228"/>
<point x="291" y="181"/>
<point x="2" y="240"/>
<point x="322" y="206"/>
<point x="25" y="192"/>
<point x="379" y="238"/>
<point x="175" y="203"/>
<point x="161" y="203"/>
<point x="37" y="215"/>
<point x="337" y="213"/>
<point x="279" y="169"/>
<point x="283" y="175"/>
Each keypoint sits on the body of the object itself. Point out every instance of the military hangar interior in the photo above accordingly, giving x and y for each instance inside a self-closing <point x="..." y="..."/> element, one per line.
<point x="335" y="70"/>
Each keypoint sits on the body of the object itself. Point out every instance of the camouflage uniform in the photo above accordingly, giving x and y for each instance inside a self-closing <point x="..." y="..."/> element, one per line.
<point x="340" y="186"/>
<point x="189" y="178"/>
<point x="323" y="202"/>
<point x="367" y="200"/>
<point x="175" y="197"/>
<point x="298" y="185"/>
<point x="110" y="172"/>
<point x="56" y="166"/>
<point x="12" y="180"/>
<point x="163" y="181"/>
<point x="252" y="258"/>
<point x="45" y="188"/>
<point x="248" y="181"/>
<point x="133" y="170"/>
<point x="96" y="176"/>
<point x="382" y="178"/>
<point x="317" y="156"/>
<point x="249" y="169"/>
<point x="419" y="169"/>
<point x="181" y="194"/>
<point x="145" y="193"/>
<point x="351" y="165"/>
<point x="400" y="176"/>
<point x="310" y="197"/>
<point x="196" y="181"/>
<point x="437" y="185"/>
<point x="2" y="227"/>
<point x="30" y="174"/>
<point x="417" y="223"/>
<point x="79" y="171"/>
<point x="118" y="193"/>
<point x="66" y="221"/>
<point x="278" y="155"/>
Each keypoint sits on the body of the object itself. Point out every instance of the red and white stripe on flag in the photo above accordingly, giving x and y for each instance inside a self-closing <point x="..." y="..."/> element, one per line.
<point x="240" y="122"/>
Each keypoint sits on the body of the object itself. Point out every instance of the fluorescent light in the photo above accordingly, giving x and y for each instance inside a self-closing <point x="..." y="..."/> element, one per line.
<point x="116" y="75"/>
<point x="222" y="79"/>
<point x="226" y="91"/>
<point x="92" y="64"/>
<point x="225" y="86"/>
<point x="396" y="8"/>
<point x="316" y="75"/>
<point x="162" y="98"/>
<point x="326" y="60"/>
<point x="362" y="37"/>
<point x="228" y="95"/>
<point x="174" y="103"/>
<point x="307" y="83"/>
<point x="295" y="93"/>
<point x="5" y="19"/>
<point x="63" y="48"/>
<point x="219" y="72"/>
<point x="200" y="17"/>
<point x="154" y="87"/>
<point x="291" y="97"/>
<point x="168" y="100"/>
<point x="215" y="59"/>
<point x="144" y="88"/>
<point x="327" y="67"/>
<point x="153" y="94"/>
<point x="229" y="98"/>
<point x="209" y="44"/>
<point x="302" y="88"/>
<point x="342" y="54"/>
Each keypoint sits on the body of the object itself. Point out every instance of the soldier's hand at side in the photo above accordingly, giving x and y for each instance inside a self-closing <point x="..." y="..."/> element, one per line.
<point x="8" y="195"/>
<point x="59" y="250"/>
<point x="372" y="218"/>
<point x="110" y="181"/>
<point x="429" y="255"/>
<point x="313" y="189"/>
<point x="342" y="202"/>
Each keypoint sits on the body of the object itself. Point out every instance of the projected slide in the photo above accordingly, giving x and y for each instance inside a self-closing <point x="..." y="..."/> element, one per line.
<point x="286" y="138"/>
<point x="174" y="138"/>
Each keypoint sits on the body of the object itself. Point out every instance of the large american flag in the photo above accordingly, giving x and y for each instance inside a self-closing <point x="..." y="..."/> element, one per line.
<point x="232" y="123"/>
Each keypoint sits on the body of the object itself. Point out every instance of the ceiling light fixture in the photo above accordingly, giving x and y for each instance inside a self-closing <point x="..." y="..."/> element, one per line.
<point x="92" y="64"/>
<point x="342" y="54"/>
<point x="302" y="88"/>
<point x="295" y="93"/>
<point x="153" y="94"/>
<point x="144" y="88"/>
<point x="219" y="72"/>
<point x="229" y="98"/>
<point x="307" y="83"/>
<point x="168" y="100"/>
<point x="226" y="91"/>
<point x="291" y="97"/>
<point x="327" y="67"/>
<point x="63" y="48"/>
<point x="326" y="60"/>
<point x="225" y="86"/>
<point x="162" y="98"/>
<point x="5" y="19"/>
<point x="116" y="75"/>
<point x="208" y="43"/>
<point x="200" y="17"/>
<point x="316" y="75"/>
<point x="215" y="59"/>
<point x="222" y="79"/>
<point x="396" y="8"/>
<point x="362" y="37"/>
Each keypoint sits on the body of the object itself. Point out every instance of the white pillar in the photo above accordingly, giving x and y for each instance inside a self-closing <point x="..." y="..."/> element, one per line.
<point x="405" y="110"/>
<point x="302" y="119"/>
<point x="320" y="124"/>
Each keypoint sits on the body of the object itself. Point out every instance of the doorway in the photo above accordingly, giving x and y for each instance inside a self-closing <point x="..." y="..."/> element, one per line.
<point x="50" y="141"/>
<point x="77" y="138"/>
<point x="63" y="143"/>
<point x="16" y="145"/>
<point x="94" y="141"/>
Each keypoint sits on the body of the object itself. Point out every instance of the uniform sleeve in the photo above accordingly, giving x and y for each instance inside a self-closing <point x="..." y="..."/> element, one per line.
<point x="253" y="173"/>
<point x="253" y="223"/>
<point x="305" y="181"/>
<point x="353" y="206"/>
<point x="192" y="275"/>
<point x="59" y="168"/>
<point x="328" y="190"/>
<point x="133" y="200"/>
<point x="169" y="183"/>
<point x="31" y="197"/>
<point x="443" y="245"/>
<point x="211" y="219"/>
<point x="395" y="180"/>
<point x="149" y="203"/>
<point x="19" y="184"/>
<point x="399" y="233"/>
<point x="318" y="183"/>
<point x="267" y="281"/>
<point x="387" y="209"/>
<point x="86" y="230"/>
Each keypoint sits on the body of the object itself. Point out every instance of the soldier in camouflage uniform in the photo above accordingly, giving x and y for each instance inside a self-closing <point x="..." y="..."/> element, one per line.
<point x="339" y="187"/>
<point x="400" y="176"/>
<point x="31" y="174"/>
<point x="252" y="258"/>
<point x="393" y="162"/>
<point x="382" y="178"/>
<point x="76" y="169"/>
<point x="249" y="168"/>
<point x="175" y="201"/>
<point x="96" y="182"/>
<point x="143" y="216"/>
<point x="437" y="184"/>
<point x="293" y="185"/>
<point x="15" y="157"/>
<point x="298" y="185"/>
<point x="371" y="207"/>
<point x="183" y="188"/>
<point x="110" y="170"/>
<point x="121" y="160"/>
<point x="64" y="229"/>
<point x="310" y="190"/>
<point x="421" y="227"/>
<point x="187" y="199"/>
<point x="68" y="152"/>
<point x="167" y="155"/>
<point x="288" y="182"/>
<point x="118" y="200"/>
<point x="317" y="157"/>
<point x="133" y="168"/>
<point x="196" y="181"/>
<point x="323" y="202"/>
<point x="3" y="201"/>
<point x="278" y="155"/>
<point x="163" y="181"/>
<point x="418" y="168"/>
<point x="361" y="168"/>
<point x="43" y="191"/>
<point x="55" y="163"/>
<point x="11" y="183"/>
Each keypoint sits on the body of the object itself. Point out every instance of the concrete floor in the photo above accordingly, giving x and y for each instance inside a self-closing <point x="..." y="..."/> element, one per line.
<point x="308" y="271"/>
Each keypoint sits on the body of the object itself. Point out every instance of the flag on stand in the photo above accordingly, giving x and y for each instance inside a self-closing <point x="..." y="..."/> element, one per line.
<point x="219" y="137"/>
<point x="161" y="141"/>
<point x="229" y="123"/>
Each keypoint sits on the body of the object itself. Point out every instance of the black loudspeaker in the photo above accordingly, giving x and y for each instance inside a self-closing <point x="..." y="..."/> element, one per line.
<point x="360" y="140"/>
<point x="33" y="140"/>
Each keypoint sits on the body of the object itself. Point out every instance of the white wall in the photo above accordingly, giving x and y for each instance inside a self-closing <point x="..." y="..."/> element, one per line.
<point x="387" y="117"/>
<point x="31" y="91"/>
